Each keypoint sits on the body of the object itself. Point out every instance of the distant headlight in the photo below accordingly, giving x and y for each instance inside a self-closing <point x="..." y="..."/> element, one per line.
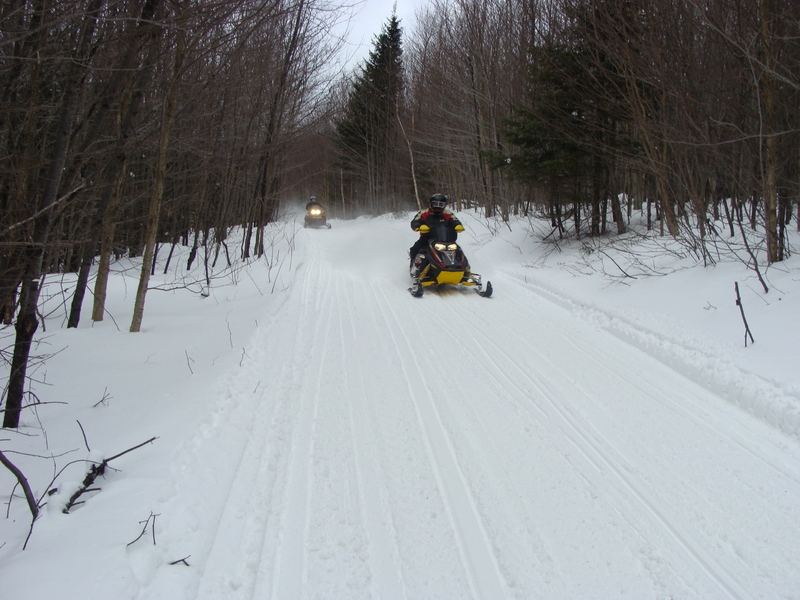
<point x="440" y="246"/>
<point x="452" y="246"/>
<point x="315" y="211"/>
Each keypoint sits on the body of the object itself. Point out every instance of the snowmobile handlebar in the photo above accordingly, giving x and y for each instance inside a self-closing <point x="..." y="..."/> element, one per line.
<point x="425" y="229"/>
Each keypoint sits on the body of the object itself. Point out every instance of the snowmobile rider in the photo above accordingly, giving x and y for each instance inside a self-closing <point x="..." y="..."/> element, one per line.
<point x="313" y="204"/>
<point x="425" y="220"/>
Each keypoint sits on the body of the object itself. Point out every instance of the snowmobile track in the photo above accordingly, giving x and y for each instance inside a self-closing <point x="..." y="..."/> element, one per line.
<point x="468" y="450"/>
<point x="599" y="452"/>
<point x="375" y="509"/>
<point x="476" y="549"/>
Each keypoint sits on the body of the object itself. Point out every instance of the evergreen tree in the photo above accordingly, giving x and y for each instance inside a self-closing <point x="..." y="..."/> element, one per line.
<point x="367" y="135"/>
<point x="574" y="127"/>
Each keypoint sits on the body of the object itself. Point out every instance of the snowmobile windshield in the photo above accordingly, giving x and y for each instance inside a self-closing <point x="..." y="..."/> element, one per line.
<point x="442" y="232"/>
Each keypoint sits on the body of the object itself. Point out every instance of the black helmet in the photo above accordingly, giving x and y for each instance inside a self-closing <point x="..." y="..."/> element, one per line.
<point x="438" y="202"/>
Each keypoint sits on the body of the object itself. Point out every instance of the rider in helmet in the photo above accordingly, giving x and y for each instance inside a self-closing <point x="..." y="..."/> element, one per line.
<point x="312" y="203"/>
<point x="432" y="216"/>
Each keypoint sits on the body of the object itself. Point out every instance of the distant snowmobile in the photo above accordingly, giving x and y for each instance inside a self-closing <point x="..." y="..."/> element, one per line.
<point x="315" y="217"/>
<point x="442" y="263"/>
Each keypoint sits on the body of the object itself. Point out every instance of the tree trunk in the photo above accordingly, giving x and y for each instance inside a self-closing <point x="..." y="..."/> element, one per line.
<point x="151" y="233"/>
<point x="770" y="159"/>
<point x="80" y="286"/>
<point x="124" y="95"/>
<point x="27" y="320"/>
<point x="106" y="240"/>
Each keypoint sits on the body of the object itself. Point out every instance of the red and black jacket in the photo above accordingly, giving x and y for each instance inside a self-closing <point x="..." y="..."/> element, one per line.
<point x="431" y="218"/>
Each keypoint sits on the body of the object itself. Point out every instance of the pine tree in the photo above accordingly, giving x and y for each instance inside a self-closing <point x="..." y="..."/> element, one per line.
<point x="367" y="136"/>
<point x="573" y="129"/>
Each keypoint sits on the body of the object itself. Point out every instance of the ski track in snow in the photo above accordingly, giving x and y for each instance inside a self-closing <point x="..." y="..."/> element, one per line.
<point x="378" y="439"/>
<point x="479" y="561"/>
<point x="599" y="455"/>
<point x="619" y="475"/>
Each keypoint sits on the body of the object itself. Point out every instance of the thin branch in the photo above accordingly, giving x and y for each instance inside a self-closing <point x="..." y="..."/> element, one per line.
<point x="144" y="529"/>
<point x="617" y="264"/>
<point x="23" y="482"/>
<point x="152" y="439"/>
<point x="744" y="319"/>
<point x="753" y="258"/>
<point x="85" y="441"/>
<point x="97" y="470"/>
<point x="39" y="213"/>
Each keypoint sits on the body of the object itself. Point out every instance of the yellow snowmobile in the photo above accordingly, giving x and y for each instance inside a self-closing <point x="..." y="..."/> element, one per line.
<point x="443" y="263"/>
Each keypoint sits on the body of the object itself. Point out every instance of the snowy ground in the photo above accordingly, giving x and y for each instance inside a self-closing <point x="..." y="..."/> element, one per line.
<point x="582" y="434"/>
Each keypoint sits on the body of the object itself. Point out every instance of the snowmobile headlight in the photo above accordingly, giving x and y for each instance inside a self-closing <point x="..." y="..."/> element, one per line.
<point x="315" y="211"/>
<point x="452" y="246"/>
<point x="439" y="246"/>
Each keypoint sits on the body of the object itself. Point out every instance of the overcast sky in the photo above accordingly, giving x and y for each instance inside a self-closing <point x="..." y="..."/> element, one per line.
<point x="368" y="19"/>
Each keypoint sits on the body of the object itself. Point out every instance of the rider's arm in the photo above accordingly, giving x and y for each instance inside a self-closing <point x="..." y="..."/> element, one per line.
<point x="455" y="223"/>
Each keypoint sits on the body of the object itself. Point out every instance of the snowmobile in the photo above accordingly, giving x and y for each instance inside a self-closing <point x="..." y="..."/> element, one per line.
<point x="315" y="217"/>
<point x="443" y="263"/>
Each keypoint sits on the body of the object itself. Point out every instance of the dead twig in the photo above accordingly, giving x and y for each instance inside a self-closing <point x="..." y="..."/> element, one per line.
<point x="754" y="264"/>
<point x="106" y="397"/>
<point x="144" y="529"/>
<point x="230" y="333"/>
<point x="617" y="264"/>
<point x="85" y="441"/>
<point x="124" y="452"/>
<point x="23" y="482"/>
<point x="744" y="319"/>
<point x="189" y="361"/>
<point x="2" y="410"/>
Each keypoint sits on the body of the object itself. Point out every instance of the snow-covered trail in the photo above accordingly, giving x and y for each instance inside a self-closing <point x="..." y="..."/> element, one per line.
<point x="373" y="445"/>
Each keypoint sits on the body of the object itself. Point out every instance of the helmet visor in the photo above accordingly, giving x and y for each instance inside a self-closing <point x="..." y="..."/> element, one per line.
<point x="438" y="204"/>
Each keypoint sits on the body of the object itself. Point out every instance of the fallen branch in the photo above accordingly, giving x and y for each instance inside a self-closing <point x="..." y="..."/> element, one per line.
<point x="617" y="265"/>
<point x="96" y="471"/>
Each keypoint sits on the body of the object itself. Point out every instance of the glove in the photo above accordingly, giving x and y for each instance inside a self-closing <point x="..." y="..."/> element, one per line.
<point x="424" y="229"/>
<point x="459" y="228"/>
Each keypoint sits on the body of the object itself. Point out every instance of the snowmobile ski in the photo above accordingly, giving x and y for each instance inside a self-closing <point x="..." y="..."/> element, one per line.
<point x="416" y="289"/>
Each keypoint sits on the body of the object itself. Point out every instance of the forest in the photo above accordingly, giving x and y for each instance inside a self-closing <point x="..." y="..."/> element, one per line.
<point x="130" y="126"/>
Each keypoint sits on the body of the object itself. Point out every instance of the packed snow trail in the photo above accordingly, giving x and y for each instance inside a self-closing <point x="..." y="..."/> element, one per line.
<point x="374" y="445"/>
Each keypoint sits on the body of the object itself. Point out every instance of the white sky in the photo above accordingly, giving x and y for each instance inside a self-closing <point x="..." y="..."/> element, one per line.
<point x="369" y="16"/>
